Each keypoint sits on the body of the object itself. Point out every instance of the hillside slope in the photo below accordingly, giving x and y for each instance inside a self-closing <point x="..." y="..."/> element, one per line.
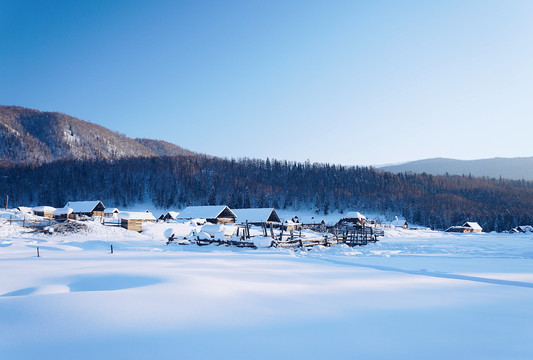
<point x="164" y="148"/>
<point x="30" y="136"/>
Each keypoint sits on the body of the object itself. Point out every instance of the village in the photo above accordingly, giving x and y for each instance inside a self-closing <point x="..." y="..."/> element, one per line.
<point x="221" y="225"/>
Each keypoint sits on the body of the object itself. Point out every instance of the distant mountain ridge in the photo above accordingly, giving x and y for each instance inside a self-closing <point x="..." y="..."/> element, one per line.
<point x="520" y="168"/>
<point x="30" y="136"/>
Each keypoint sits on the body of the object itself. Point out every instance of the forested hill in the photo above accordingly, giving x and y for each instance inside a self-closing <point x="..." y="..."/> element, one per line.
<point x="30" y="136"/>
<point x="174" y="182"/>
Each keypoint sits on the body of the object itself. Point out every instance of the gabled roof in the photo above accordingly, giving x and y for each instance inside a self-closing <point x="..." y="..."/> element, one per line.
<point x="257" y="215"/>
<point x="172" y="214"/>
<point x="472" y="225"/>
<point x="44" y="208"/>
<point x="399" y="222"/>
<point x="136" y="215"/>
<point x="25" y="209"/>
<point x="204" y="212"/>
<point x="63" y="211"/>
<point x="83" y="206"/>
<point x="354" y="215"/>
<point x="111" y="211"/>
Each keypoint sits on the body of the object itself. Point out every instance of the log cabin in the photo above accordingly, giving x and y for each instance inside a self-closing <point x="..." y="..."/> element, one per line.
<point x="86" y="208"/>
<point x="214" y="214"/>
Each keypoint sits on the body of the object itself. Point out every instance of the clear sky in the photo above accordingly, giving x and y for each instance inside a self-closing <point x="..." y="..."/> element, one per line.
<point x="350" y="82"/>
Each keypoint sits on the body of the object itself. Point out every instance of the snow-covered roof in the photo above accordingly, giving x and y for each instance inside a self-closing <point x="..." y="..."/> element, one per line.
<point x="203" y="212"/>
<point x="25" y="209"/>
<point x="473" y="225"/>
<point x="354" y="215"/>
<point x="256" y="215"/>
<point x="136" y="215"/>
<point x="399" y="222"/>
<point x="44" y="208"/>
<point x="173" y="214"/>
<point x="111" y="211"/>
<point x="525" y="228"/>
<point x="82" y="206"/>
<point x="63" y="211"/>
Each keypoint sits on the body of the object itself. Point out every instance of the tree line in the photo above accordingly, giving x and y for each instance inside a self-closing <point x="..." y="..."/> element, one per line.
<point x="179" y="181"/>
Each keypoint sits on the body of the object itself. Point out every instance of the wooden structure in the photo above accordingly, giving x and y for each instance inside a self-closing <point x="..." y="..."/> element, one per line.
<point x="473" y="227"/>
<point x="467" y="227"/>
<point x="134" y="220"/>
<point x="86" y="208"/>
<point x="401" y="223"/>
<point x="111" y="213"/>
<point x="258" y="216"/>
<point x="169" y="216"/>
<point x="63" y="213"/>
<point x="524" y="228"/>
<point x="25" y="210"/>
<point x="44" y="211"/>
<point x="217" y="214"/>
<point x="353" y="217"/>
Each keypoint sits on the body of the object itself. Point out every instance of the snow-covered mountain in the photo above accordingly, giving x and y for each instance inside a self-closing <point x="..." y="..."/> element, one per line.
<point x="510" y="168"/>
<point x="33" y="137"/>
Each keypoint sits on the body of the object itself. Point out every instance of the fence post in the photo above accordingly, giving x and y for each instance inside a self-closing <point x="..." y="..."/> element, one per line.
<point x="38" y="255"/>
<point x="111" y="249"/>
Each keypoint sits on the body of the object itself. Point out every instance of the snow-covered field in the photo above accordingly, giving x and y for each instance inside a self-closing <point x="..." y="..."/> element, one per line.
<point x="413" y="295"/>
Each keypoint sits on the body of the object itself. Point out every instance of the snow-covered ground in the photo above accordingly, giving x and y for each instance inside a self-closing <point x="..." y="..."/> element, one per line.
<point x="413" y="295"/>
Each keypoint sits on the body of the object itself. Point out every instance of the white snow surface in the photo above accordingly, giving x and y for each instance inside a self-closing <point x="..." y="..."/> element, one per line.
<point x="416" y="294"/>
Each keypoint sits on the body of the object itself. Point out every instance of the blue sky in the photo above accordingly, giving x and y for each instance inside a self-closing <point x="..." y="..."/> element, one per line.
<point x="350" y="82"/>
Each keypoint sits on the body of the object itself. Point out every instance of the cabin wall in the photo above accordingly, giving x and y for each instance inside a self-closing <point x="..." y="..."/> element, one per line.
<point x="134" y="225"/>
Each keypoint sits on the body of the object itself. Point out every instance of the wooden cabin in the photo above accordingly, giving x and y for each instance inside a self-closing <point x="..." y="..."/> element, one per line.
<point x="524" y="228"/>
<point x="291" y="225"/>
<point x="169" y="216"/>
<point x="25" y="210"/>
<point x="111" y="213"/>
<point x="86" y="208"/>
<point x="257" y="216"/>
<point x="133" y="220"/>
<point x="400" y="223"/>
<point x="473" y="227"/>
<point x="44" y="211"/>
<point x="63" y="213"/>
<point x="353" y="217"/>
<point x="215" y="214"/>
<point x="467" y="227"/>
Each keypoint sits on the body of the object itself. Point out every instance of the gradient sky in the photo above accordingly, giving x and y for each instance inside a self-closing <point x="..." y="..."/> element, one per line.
<point x="350" y="82"/>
